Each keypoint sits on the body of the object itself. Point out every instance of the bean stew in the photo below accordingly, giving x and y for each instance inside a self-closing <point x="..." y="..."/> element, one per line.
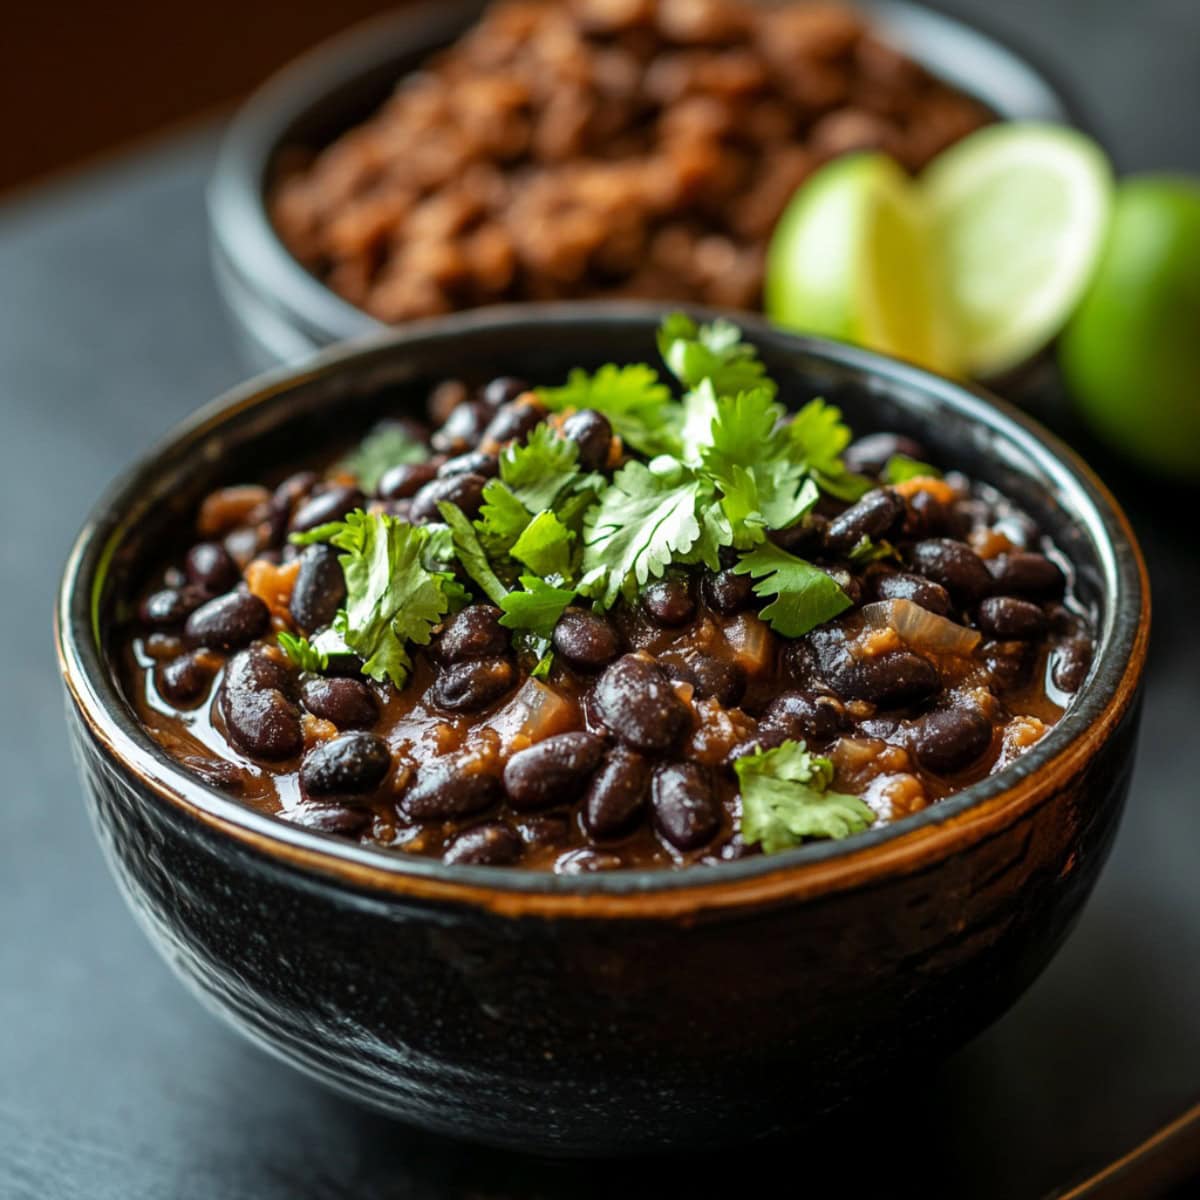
<point x="629" y="620"/>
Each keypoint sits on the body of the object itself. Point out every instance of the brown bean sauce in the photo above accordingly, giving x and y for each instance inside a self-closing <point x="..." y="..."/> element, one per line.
<point x="961" y="648"/>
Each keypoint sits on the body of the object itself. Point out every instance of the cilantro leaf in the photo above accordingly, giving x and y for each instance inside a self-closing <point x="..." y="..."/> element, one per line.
<point x="786" y="798"/>
<point x="392" y="597"/>
<point x="818" y="436"/>
<point x="643" y="522"/>
<point x="387" y="445"/>
<point x="715" y="353"/>
<point x="302" y="652"/>
<point x="539" y="469"/>
<point x="900" y="467"/>
<point x="537" y="608"/>
<point x="502" y="518"/>
<point x="805" y="596"/>
<point x="470" y="553"/>
<point x="747" y="457"/>
<point x="636" y="402"/>
<point x="545" y="546"/>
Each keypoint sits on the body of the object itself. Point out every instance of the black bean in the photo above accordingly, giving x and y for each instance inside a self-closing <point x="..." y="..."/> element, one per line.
<point x="351" y="764"/>
<point x="1072" y="659"/>
<point x="900" y="585"/>
<point x="464" y="490"/>
<point x="344" y="820"/>
<point x="869" y="455"/>
<point x="473" y="632"/>
<point x="669" y="602"/>
<point x="492" y="844"/>
<point x="228" y="622"/>
<point x="473" y="685"/>
<point x="514" y="421"/>
<point x="545" y="829"/>
<point x="1025" y="574"/>
<point x="1020" y="529"/>
<point x="889" y="680"/>
<point x="805" y="716"/>
<point x="926" y="516"/>
<point x="711" y="678"/>
<point x="586" y="861"/>
<point x="592" y="432"/>
<point x="346" y="703"/>
<point x="210" y="566"/>
<point x="319" y="590"/>
<point x="953" y="565"/>
<point x="263" y="722"/>
<point x="950" y="739"/>
<point x="553" y="771"/>
<point x="617" y="793"/>
<point x="474" y="462"/>
<point x="637" y="702"/>
<point x="1009" y="664"/>
<point x="463" y="428"/>
<point x="875" y="516"/>
<point x="257" y="670"/>
<point x="502" y="390"/>
<point x="686" y="809"/>
<point x="727" y="593"/>
<point x="242" y="544"/>
<point x="292" y="490"/>
<point x="404" y="481"/>
<point x="331" y="505"/>
<point x="1008" y="617"/>
<point x="586" y="639"/>
<point x="171" y="606"/>
<point x="455" y="785"/>
<point x="804" y="538"/>
<point x="968" y="514"/>
<point x="183" y="680"/>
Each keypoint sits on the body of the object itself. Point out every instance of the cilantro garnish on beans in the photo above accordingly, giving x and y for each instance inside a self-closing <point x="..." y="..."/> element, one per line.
<point x="647" y="616"/>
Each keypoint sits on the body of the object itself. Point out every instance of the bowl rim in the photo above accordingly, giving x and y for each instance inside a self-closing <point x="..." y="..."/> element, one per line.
<point x="261" y="276"/>
<point x="974" y="814"/>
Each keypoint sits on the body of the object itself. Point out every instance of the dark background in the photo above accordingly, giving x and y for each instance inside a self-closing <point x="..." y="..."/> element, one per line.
<point x="114" y="1084"/>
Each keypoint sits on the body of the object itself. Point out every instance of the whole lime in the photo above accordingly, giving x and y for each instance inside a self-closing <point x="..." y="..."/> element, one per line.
<point x="1131" y="352"/>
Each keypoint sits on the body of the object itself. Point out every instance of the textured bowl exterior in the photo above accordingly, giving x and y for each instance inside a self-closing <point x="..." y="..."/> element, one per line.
<point x="625" y="1010"/>
<point x="591" y="1036"/>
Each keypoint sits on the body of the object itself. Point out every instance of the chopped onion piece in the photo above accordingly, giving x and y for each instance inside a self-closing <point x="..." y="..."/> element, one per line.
<point x="750" y="639"/>
<point x="536" y="712"/>
<point x="920" y="628"/>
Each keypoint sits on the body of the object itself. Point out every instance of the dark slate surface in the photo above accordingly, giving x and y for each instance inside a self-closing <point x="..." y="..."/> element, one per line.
<point x="114" y="1085"/>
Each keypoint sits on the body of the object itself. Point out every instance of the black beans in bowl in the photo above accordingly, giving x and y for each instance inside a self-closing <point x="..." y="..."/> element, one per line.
<point x="745" y="995"/>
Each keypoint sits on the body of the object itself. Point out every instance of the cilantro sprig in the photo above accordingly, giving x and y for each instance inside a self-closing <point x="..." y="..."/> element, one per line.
<point x="786" y="799"/>
<point x="706" y="475"/>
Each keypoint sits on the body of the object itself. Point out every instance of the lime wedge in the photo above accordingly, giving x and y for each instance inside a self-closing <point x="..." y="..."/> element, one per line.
<point x="1020" y="213"/>
<point x="853" y="258"/>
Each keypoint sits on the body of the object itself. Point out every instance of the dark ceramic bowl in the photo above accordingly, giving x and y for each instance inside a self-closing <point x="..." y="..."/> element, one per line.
<point x="634" y="1009"/>
<point x="282" y="312"/>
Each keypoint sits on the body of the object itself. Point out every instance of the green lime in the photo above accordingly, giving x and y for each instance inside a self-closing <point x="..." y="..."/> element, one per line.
<point x="1020" y="211"/>
<point x="852" y="258"/>
<point x="1131" y="353"/>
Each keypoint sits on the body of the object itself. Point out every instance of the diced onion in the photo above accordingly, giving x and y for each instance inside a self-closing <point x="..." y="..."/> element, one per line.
<point x="920" y="628"/>
<point x="536" y="712"/>
<point x="750" y="639"/>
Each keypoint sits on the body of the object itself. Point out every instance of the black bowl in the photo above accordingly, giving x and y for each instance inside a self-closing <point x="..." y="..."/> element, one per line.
<point x="282" y="312"/>
<point x="633" y="1009"/>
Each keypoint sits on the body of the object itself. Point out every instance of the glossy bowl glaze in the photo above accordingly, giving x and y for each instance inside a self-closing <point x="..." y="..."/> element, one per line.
<point x="628" y="1010"/>
<point x="282" y="313"/>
